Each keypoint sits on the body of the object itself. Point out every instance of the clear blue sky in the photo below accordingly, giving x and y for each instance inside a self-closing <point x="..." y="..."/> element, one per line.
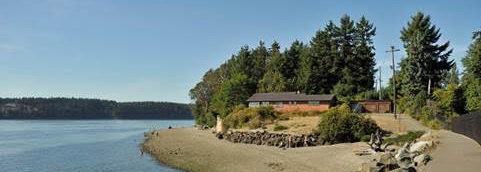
<point x="157" y="50"/>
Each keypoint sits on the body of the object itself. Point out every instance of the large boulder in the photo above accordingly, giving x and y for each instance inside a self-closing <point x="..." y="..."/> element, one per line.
<point x="420" y="146"/>
<point x="421" y="159"/>
<point x="388" y="161"/>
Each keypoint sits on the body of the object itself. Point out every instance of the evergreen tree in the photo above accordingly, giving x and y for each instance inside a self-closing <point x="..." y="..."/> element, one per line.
<point x="273" y="81"/>
<point x="317" y="74"/>
<point x="472" y="61"/>
<point x="472" y="76"/>
<point x="290" y="69"/>
<point x="364" y="51"/>
<point x="426" y="60"/>
<point x="242" y="62"/>
<point x="453" y="75"/>
<point x="260" y="55"/>
<point x="346" y="36"/>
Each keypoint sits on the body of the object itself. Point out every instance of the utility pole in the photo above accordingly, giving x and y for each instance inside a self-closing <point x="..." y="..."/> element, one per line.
<point x="429" y="86"/>
<point x="380" y="86"/>
<point x="392" y="50"/>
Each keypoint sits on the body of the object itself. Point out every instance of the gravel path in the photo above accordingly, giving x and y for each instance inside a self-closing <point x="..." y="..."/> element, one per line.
<point x="456" y="152"/>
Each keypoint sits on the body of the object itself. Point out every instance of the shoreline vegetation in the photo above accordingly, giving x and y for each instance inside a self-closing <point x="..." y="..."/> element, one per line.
<point x="89" y="109"/>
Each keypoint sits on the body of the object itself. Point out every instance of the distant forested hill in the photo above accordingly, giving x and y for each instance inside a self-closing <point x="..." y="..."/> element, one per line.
<point x="77" y="108"/>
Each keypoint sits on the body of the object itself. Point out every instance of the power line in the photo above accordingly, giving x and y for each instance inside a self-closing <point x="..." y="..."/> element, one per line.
<point x="392" y="50"/>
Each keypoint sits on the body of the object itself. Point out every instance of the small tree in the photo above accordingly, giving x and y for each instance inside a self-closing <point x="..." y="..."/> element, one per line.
<point x="232" y="93"/>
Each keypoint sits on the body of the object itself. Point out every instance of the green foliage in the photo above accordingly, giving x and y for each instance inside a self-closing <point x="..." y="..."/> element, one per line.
<point x="336" y="54"/>
<point x="473" y="95"/>
<point x="404" y="138"/>
<point x="426" y="60"/>
<point x="369" y="95"/>
<point x="472" y="76"/>
<point x="453" y="75"/>
<point x="233" y="92"/>
<point x="206" y="119"/>
<point x="343" y="91"/>
<point x="450" y="100"/>
<point x="278" y="127"/>
<point x="472" y="61"/>
<point x="340" y="125"/>
<point x="415" y="104"/>
<point x="303" y="113"/>
<point x="273" y="81"/>
<point x="76" y="108"/>
<point x="250" y="117"/>
<point x="283" y="118"/>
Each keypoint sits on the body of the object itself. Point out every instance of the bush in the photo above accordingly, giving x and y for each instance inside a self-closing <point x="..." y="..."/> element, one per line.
<point x="473" y="95"/>
<point x="283" y="118"/>
<point x="303" y="113"/>
<point x="250" y="117"/>
<point x="340" y="125"/>
<point x="405" y="138"/>
<point x="206" y="119"/>
<point x="278" y="127"/>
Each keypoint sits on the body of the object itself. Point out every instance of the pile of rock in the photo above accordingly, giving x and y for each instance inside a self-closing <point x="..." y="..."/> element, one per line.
<point x="407" y="158"/>
<point x="262" y="137"/>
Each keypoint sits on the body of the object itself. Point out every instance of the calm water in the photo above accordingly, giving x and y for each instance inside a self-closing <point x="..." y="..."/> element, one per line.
<point x="78" y="145"/>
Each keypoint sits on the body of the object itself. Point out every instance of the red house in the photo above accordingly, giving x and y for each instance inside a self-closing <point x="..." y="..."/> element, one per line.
<point x="292" y="101"/>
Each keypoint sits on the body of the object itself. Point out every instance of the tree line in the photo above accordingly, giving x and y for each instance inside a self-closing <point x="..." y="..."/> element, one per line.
<point x="77" y="108"/>
<point x="338" y="59"/>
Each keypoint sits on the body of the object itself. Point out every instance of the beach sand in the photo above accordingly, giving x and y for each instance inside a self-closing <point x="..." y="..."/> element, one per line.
<point x="194" y="150"/>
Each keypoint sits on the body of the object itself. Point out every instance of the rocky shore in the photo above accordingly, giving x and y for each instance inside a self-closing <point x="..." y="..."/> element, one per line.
<point x="262" y="137"/>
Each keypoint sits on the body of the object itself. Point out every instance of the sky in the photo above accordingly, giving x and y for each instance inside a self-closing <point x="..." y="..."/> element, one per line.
<point x="156" y="50"/>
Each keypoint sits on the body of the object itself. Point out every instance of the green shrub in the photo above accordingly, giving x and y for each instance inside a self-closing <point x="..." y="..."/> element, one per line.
<point x="365" y="138"/>
<point x="303" y="113"/>
<point x="405" y="138"/>
<point x="340" y="125"/>
<point x="278" y="127"/>
<point x="250" y="117"/>
<point x="205" y="119"/>
<point x="283" y="118"/>
<point x="473" y="95"/>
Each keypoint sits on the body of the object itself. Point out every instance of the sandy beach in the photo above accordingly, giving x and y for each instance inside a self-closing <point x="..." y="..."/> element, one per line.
<point x="195" y="150"/>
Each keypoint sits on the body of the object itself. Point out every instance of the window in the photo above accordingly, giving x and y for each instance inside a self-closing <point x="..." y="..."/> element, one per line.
<point x="253" y="104"/>
<point x="313" y="102"/>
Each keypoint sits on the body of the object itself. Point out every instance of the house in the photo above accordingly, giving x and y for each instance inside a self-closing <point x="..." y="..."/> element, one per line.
<point x="292" y="101"/>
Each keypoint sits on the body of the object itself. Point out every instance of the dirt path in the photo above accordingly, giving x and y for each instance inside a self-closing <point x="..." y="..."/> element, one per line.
<point x="403" y="124"/>
<point x="195" y="150"/>
<point x="456" y="152"/>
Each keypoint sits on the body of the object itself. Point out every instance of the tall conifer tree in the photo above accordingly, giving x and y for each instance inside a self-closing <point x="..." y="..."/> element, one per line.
<point x="426" y="60"/>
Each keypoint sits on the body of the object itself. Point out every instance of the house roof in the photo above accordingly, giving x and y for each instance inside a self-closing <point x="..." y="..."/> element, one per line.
<point x="289" y="96"/>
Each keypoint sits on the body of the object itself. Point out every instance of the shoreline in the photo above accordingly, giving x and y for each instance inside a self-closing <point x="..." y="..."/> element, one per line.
<point x="195" y="150"/>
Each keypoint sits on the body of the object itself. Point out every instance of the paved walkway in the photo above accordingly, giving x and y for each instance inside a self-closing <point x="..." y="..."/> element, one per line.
<point x="456" y="153"/>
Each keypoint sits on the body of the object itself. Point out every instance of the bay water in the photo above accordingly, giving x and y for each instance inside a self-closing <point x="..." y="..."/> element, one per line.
<point x="79" y="145"/>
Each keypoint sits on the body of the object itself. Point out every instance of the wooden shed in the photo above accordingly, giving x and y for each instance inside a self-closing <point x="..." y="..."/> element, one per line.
<point x="375" y="106"/>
